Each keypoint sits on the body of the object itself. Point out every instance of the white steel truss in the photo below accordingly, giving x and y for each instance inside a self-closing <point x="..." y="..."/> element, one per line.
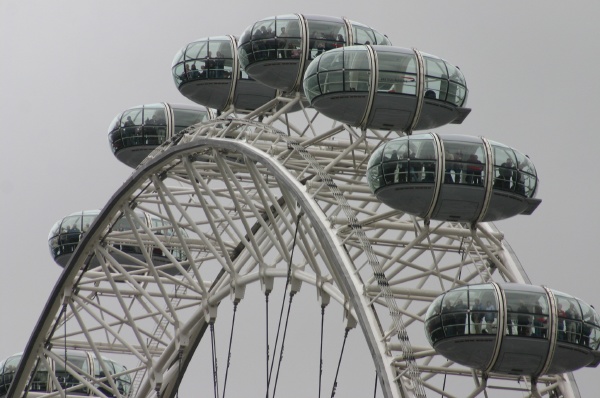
<point x="264" y="200"/>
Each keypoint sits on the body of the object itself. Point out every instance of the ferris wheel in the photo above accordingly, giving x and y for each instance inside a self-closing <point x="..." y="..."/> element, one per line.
<point x="292" y="235"/>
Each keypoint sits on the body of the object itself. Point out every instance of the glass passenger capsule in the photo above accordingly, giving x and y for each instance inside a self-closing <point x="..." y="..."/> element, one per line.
<point x="514" y="329"/>
<point x="388" y="88"/>
<point x="453" y="178"/>
<point x="135" y="133"/>
<point x="66" y="234"/>
<point x="43" y="382"/>
<point x="276" y="50"/>
<point x="208" y="73"/>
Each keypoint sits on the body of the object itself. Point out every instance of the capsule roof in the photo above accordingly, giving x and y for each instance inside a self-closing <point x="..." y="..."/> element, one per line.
<point x="207" y="71"/>
<point x="453" y="178"/>
<point x="67" y="232"/>
<point x="514" y="329"/>
<point x="384" y="87"/>
<point x="136" y="132"/>
<point x="276" y="50"/>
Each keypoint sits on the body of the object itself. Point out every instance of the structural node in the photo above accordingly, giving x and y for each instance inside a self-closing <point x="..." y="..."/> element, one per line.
<point x="128" y="246"/>
<point x="388" y="88"/>
<point x="81" y="362"/>
<point x="207" y="71"/>
<point x="515" y="329"/>
<point x="277" y="50"/>
<point x="135" y="133"/>
<point x="453" y="178"/>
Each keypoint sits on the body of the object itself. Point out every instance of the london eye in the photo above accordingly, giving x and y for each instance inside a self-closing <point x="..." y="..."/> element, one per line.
<point x="304" y="174"/>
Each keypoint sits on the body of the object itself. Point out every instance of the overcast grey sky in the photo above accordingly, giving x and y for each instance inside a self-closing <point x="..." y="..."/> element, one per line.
<point x="67" y="67"/>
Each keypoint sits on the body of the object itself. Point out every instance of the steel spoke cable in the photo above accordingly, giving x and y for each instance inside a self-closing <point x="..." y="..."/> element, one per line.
<point x="235" y="304"/>
<point x="283" y="343"/>
<point x="357" y="229"/>
<point x="287" y="283"/>
<point x="214" y="359"/>
<point x="267" y="292"/>
<point x="65" y="342"/>
<point x="375" y="389"/>
<point x="321" y="350"/>
<point x="337" y="372"/>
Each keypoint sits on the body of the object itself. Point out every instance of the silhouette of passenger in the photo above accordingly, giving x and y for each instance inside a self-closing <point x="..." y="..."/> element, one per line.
<point x="507" y="174"/>
<point x="389" y="167"/>
<point x="474" y="170"/>
<point x="524" y="320"/>
<point x="196" y="73"/>
<point x="477" y="315"/>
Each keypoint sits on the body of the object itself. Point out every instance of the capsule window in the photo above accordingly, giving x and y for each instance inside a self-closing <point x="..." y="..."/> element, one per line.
<point x="397" y="73"/>
<point x="569" y="319"/>
<point x="311" y="86"/>
<point x="363" y="35"/>
<point x="186" y="117"/>
<point x="381" y="39"/>
<point x="196" y="50"/>
<point x="357" y="80"/>
<point x="505" y="168"/>
<point x="456" y="93"/>
<point x="325" y="36"/>
<point x="375" y="171"/>
<point x="590" y="330"/>
<point x="66" y="379"/>
<point x="527" y="314"/>
<point x="454" y="312"/>
<point x="465" y="163"/>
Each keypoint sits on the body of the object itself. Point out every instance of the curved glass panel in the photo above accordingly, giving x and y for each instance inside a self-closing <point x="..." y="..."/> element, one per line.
<point x="526" y="176"/>
<point x="144" y="125"/>
<point x="483" y="310"/>
<point x="465" y="161"/>
<point x="455" y="74"/>
<point x="381" y="40"/>
<point x="185" y="118"/>
<point x="154" y="129"/>
<point x="148" y="126"/>
<point x="339" y="70"/>
<point x="527" y="313"/>
<point x="271" y="38"/>
<point x="79" y="362"/>
<point x="210" y="58"/>
<point x="66" y="233"/>
<point x="513" y="171"/>
<point x="374" y="169"/>
<point x="444" y="81"/>
<point x="325" y="36"/>
<point x="397" y="72"/>
<point x="423" y="160"/>
<point x="366" y="35"/>
<point x="454" y="312"/>
<point x="9" y="367"/>
<point x="405" y="160"/>
<point x="356" y="70"/>
<point x="569" y="318"/>
<point x="123" y="381"/>
<point x="505" y="170"/>
<point x="436" y="78"/>
<point x="590" y="332"/>
<point x="76" y="360"/>
<point x="433" y="322"/>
